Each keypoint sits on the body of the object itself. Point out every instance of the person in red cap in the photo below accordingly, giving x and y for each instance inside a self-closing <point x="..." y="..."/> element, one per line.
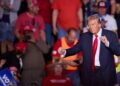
<point x="30" y="28"/>
<point x="111" y="6"/>
<point x="31" y="20"/>
<point x="108" y="21"/>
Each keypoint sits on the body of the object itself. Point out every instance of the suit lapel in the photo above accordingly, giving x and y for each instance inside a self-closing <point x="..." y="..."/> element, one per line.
<point x="101" y="49"/>
<point x="90" y="40"/>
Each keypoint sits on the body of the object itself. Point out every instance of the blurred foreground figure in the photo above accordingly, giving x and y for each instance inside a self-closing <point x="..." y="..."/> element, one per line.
<point x="57" y="78"/>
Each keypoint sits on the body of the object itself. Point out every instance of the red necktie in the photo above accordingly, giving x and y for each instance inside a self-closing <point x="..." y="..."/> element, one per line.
<point x="94" y="49"/>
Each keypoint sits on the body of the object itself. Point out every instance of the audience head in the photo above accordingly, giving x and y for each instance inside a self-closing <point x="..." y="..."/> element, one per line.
<point x="33" y="6"/>
<point x="58" y="68"/>
<point x="71" y="34"/>
<point x="102" y="7"/>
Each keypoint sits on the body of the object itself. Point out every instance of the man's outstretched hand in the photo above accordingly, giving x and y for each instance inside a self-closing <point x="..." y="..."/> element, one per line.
<point x="61" y="51"/>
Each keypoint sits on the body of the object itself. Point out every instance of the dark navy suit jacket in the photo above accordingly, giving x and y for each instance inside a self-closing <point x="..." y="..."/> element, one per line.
<point x="106" y="56"/>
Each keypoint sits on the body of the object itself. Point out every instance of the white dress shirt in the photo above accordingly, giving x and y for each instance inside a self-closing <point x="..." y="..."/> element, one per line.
<point x="97" y="55"/>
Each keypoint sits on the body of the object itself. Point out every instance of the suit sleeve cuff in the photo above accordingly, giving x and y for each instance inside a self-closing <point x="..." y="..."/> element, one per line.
<point x="63" y="55"/>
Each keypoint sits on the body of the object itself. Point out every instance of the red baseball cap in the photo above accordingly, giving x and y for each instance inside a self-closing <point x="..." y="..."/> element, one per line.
<point x="21" y="46"/>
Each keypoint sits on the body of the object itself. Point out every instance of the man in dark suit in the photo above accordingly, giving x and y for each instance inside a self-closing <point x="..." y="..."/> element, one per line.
<point x="98" y="47"/>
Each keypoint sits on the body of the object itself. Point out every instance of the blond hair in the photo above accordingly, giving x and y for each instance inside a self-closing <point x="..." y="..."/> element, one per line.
<point x="94" y="17"/>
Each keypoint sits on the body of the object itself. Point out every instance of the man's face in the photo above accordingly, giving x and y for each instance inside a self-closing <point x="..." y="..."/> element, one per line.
<point x="72" y="36"/>
<point x="94" y="26"/>
<point x="102" y="10"/>
<point x="58" y="69"/>
<point x="33" y="8"/>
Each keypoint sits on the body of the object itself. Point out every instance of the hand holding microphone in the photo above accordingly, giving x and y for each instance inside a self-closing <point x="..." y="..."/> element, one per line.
<point x="105" y="40"/>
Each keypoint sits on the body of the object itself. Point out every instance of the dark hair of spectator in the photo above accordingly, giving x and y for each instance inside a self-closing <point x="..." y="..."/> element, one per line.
<point x="71" y="29"/>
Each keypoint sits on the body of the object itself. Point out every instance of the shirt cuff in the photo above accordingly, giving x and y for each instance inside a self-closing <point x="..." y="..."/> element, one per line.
<point x="107" y="44"/>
